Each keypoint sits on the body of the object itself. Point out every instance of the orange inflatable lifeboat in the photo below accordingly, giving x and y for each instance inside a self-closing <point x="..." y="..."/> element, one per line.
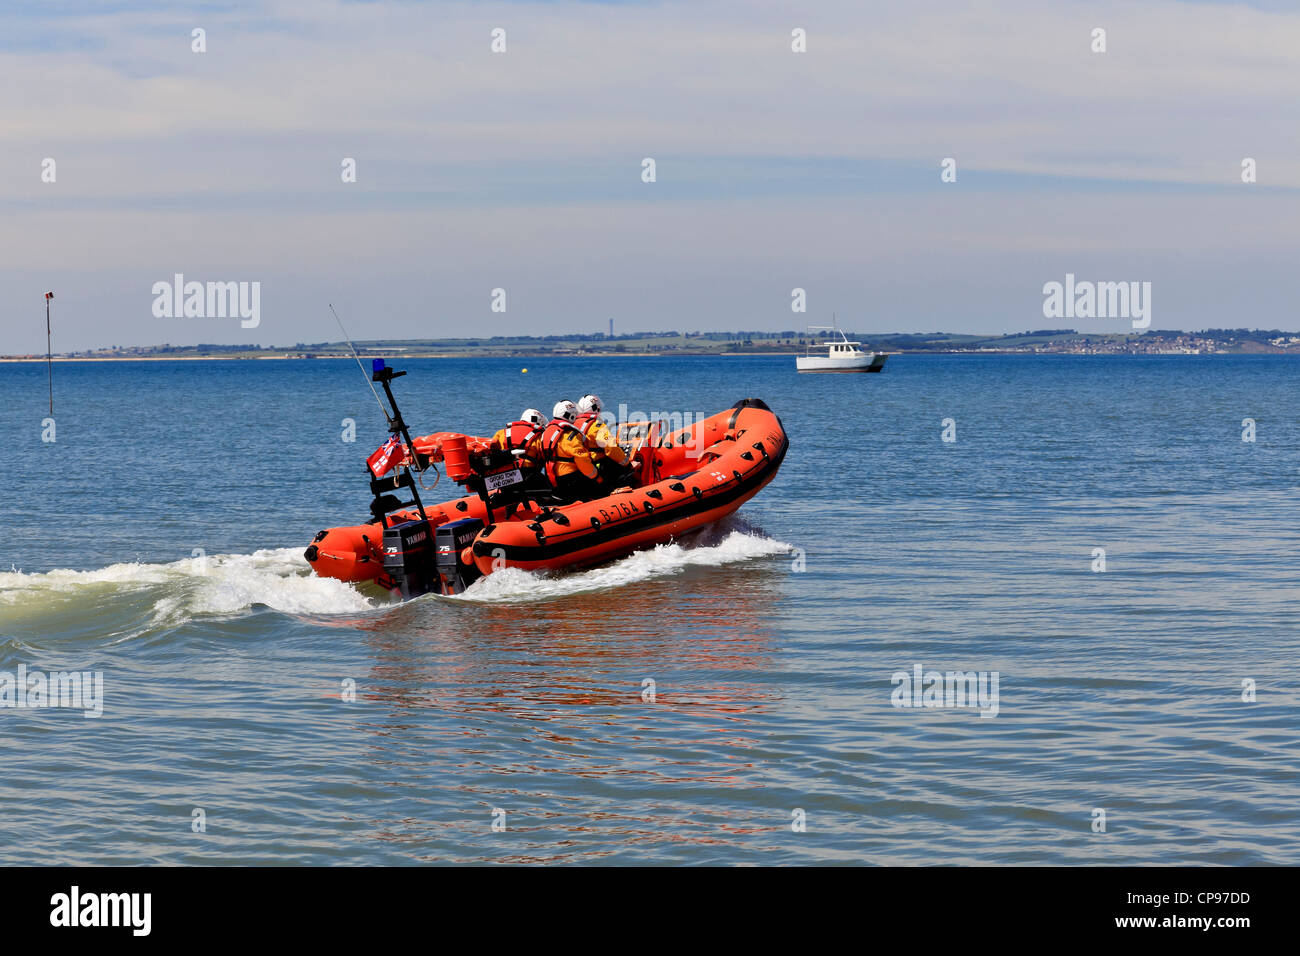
<point x="682" y="480"/>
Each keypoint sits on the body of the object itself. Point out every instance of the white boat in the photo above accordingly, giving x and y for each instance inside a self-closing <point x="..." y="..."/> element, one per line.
<point x="841" y="356"/>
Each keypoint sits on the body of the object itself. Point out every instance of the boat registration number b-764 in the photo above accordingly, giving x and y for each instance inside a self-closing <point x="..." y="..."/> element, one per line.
<point x="503" y="479"/>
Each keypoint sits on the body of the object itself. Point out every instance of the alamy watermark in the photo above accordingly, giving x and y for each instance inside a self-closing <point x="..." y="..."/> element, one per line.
<point x="82" y="690"/>
<point x="75" y="908"/>
<point x="671" y="425"/>
<point x="179" y="299"/>
<point x="1098" y="300"/>
<point x="923" y="688"/>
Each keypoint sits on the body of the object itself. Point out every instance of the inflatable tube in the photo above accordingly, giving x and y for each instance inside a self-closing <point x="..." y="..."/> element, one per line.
<point x="687" y="479"/>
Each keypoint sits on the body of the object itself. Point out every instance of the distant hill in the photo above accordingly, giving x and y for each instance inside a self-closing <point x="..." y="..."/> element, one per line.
<point x="724" y="343"/>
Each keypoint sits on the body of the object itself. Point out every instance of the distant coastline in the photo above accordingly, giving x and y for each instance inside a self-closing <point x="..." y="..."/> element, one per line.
<point x="646" y="345"/>
<point x="289" y="357"/>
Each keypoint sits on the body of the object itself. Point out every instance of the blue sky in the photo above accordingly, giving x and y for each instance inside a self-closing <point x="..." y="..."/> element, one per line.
<point x="522" y="170"/>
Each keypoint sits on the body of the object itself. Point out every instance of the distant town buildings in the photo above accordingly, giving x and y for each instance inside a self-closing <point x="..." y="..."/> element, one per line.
<point x="1043" y="341"/>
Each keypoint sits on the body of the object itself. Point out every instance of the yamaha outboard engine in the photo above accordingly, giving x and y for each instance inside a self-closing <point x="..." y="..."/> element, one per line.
<point x="452" y="539"/>
<point x="408" y="558"/>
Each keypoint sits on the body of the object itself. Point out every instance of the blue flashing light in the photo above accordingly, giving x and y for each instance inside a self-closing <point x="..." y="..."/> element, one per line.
<point x="376" y="365"/>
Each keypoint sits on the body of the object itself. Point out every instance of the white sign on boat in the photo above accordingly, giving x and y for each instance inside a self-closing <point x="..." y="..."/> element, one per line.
<point x="503" y="479"/>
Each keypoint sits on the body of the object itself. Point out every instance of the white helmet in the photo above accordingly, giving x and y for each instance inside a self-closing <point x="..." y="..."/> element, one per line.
<point x="590" y="403"/>
<point x="532" y="416"/>
<point x="566" y="410"/>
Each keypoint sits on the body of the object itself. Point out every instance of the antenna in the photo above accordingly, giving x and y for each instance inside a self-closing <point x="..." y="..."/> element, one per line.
<point x="388" y="418"/>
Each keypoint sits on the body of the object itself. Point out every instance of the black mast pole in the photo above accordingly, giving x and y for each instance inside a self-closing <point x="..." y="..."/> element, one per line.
<point x="398" y="427"/>
<point x="49" y="359"/>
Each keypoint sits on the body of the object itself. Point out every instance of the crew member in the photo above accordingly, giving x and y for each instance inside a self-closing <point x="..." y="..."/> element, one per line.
<point x="515" y="438"/>
<point x="606" y="453"/>
<point x="564" y="456"/>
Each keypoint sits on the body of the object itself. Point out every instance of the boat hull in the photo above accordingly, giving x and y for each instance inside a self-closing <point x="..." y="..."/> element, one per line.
<point x="689" y="478"/>
<point x="871" y="362"/>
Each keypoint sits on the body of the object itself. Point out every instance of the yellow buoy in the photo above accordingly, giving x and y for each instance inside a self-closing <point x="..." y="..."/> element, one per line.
<point x="524" y="370"/>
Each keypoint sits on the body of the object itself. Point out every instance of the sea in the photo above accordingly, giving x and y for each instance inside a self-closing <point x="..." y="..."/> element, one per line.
<point x="994" y="609"/>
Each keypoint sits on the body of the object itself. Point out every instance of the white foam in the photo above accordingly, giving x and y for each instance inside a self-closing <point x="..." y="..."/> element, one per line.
<point x="228" y="584"/>
<point x="216" y="584"/>
<point x="513" y="584"/>
<point x="275" y="579"/>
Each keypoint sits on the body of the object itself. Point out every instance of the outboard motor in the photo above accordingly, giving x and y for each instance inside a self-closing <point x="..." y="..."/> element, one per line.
<point x="419" y="558"/>
<point x="408" y="558"/>
<point x="451" y="540"/>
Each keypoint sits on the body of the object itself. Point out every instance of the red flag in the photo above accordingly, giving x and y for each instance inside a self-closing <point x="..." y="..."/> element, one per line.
<point x="385" y="457"/>
<point x="49" y="295"/>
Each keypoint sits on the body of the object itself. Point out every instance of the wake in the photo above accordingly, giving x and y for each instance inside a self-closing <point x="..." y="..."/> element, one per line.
<point x="512" y="584"/>
<point x="126" y="600"/>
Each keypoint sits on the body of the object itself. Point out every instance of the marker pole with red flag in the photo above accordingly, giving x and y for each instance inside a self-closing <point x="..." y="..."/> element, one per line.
<point x="49" y="359"/>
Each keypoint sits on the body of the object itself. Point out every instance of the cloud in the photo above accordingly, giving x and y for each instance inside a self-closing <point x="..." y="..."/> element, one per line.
<point x="479" y="170"/>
